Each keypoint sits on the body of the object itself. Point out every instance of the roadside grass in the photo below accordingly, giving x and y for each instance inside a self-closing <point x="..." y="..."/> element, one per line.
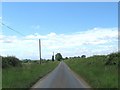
<point x="95" y="72"/>
<point x="25" y="76"/>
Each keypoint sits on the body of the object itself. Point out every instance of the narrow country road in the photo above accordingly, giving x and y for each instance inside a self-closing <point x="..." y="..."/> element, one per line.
<point x="60" y="77"/>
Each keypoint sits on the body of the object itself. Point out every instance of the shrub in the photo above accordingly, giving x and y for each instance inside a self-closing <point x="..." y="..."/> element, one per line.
<point x="10" y="61"/>
<point x="26" y="61"/>
<point x="112" y="59"/>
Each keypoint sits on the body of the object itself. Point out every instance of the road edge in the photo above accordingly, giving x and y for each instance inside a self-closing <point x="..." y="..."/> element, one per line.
<point x="33" y="86"/>
<point x="87" y="85"/>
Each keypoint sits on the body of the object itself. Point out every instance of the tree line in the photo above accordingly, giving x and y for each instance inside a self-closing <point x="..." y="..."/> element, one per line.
<point x="12" y="61"/>
<point x="59" y="57"/>
<point x="110" y="59"/>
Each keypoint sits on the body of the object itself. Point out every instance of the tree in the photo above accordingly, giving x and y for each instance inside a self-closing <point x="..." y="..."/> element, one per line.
<point x="52" y="57"/>
<point x="66" y="57"/>
<point x="83" y="56"/>
<point x="58" y="56"/>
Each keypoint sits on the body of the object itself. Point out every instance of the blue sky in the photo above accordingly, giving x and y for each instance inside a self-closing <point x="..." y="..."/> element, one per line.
<point x="70" y="28"/>
<point x="58" y="17"/>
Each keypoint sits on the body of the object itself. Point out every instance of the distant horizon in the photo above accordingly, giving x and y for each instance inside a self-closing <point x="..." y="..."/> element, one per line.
<point x="72" y="29"/>
<point x="61" y="54"/>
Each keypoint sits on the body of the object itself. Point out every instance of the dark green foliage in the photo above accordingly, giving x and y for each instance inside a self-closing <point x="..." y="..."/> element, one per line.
<point x="112" y="59"/>
<point x="66" y="57"/>
<point x="48" y="60"/>
<point x="52" y="57"/>
<point x="58" y="56"/>
<point x="4" y="63"/>
<point x="35" y="61"/>
<point x="75" y="57"/>
<point x="10" y="61"/>
<point x="83" y="56"/>
<point x="26" y="60"/>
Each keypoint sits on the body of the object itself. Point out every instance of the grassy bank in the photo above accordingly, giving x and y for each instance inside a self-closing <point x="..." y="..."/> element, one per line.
<point x="25" y="76"/>
<point x="95" y="72"/>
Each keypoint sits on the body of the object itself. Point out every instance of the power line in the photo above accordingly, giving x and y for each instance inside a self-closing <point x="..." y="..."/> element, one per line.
<point x="12" y="29"/>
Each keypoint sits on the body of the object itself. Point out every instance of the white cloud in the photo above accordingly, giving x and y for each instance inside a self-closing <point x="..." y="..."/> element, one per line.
<point x="94" y="41"/>
<point x="7" y="39"/>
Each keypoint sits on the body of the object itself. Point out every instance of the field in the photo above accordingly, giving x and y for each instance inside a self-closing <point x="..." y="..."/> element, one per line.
<point x="94" y="71"/>
<point x="27" y="75"/>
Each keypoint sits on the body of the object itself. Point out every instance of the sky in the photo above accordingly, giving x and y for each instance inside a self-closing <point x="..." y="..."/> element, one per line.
<point x="70" y="28"/>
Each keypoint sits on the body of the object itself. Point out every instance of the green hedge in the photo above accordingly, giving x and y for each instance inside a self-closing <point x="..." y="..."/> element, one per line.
<point x="10" y="61"/>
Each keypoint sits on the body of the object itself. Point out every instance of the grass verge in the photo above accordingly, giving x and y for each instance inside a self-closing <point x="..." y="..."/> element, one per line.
<point x="95" y="72"/>
<point x="25" y="76"/>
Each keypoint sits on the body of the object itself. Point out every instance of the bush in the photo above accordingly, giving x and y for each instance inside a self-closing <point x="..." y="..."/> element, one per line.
<point x="10" y="61"/>
<point x="112" y="59"/>
<point x="26" y="61"/>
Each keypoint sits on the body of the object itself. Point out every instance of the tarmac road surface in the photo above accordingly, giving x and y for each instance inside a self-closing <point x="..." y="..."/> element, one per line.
<point x="61" y="77"/>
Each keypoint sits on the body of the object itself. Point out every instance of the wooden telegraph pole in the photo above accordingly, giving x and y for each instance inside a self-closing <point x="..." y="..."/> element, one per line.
<point x="40" y="49"/>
